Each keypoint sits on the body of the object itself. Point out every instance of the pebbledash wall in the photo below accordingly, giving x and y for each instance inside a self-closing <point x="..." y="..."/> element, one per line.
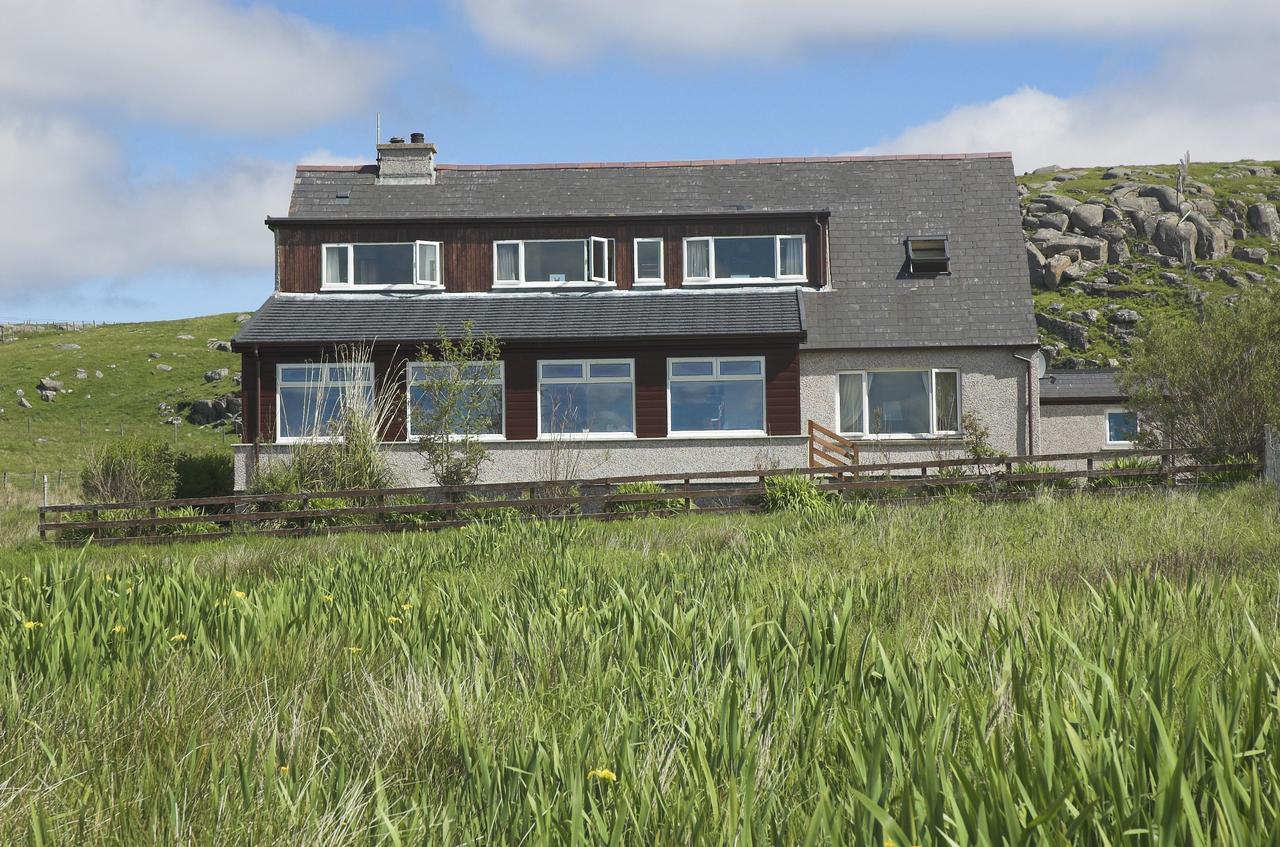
<point x="1074" y="427"/>
<point x="993" y="387"/>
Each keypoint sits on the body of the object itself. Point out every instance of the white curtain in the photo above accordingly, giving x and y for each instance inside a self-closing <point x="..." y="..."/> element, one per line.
<point x="698" y="258"/>
<point x="508" y="261"/>
<point x="792" y="258"/>
<point x="851" y="403"/>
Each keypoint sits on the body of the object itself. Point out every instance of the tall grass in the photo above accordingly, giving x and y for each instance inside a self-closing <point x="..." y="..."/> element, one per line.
<point x="1087" y="672"/>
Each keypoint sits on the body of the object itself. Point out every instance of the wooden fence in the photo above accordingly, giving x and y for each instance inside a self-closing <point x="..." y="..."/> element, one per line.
<point x="400" y="509"/>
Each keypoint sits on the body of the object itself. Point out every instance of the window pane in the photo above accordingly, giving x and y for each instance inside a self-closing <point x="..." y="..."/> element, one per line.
<point x="428" y="263"/>
<point x="481" y="402"/>
<point x="555" y="261"/>
<point x="898" y="402"/>
<point x="791" y="261"/>
<point x="508" y="262"/>
<point x="1122" y="426"/>
<point x="745" y="258"/>
<point x="697" y="258"/>
<point x="309" y="411"/>
<point x="711" y="405"/>
<point x="946" y="396"/>
<point x="600" y="260"/>
<point x="383" y="264"/>
<point x="586" y="407"/>
<point x="928" y="248"/>
<point x="648" y="260"/>
<point x="335" y="264"/>
<point x="562" y="370"/>
<point x="301" y="373"/>
<point x="742" y="368"/>
<point x="611" y="369"/>
<point x="705" y="367"/>
<point x="851" y="403"/>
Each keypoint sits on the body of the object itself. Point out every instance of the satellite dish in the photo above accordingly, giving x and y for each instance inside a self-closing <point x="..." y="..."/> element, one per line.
<point x="1042" y="364"/>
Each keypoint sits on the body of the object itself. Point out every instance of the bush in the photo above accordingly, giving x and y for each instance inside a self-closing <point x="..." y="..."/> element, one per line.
<point x="796" y="493"/>
<point x="1038" y="484"/>
<point x="1127" y="463"/>
<point x="656" y="506"/>
<point x="963" y="489"/>
<point x="1231" y="476"/>
<point x="208" y="473"/>
<point x="128" y="470"/>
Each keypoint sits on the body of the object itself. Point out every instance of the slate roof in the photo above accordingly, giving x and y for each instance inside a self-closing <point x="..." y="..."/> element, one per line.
<point x="319" y="318"/>
<point x="1096" y="385"/>
<point x="874" y="204"/>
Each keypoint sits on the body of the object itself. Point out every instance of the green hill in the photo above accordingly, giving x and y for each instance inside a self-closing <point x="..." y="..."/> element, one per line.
<point x="1106" y="249"/>
<point x="126" y="398"/>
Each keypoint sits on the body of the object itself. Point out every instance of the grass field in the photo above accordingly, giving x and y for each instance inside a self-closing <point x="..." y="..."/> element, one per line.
<point x="50" y="436"/>
<point x="1076" y="671"/>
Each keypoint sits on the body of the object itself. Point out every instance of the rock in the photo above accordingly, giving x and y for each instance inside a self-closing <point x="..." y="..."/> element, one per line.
<point x="1172" y="279"/>
<point x="186" y="338"/>
<point x="1260" y="170"/>
<point x="20" y="392"/>
<point x="219" y="346"/>
<point x="24" y="402"/>
<point x="1211" y="242"/>
<point x="1087" y="217"/>
<point x="1056" y="307"/>
<point x="1176" y="240"/>
<point x="1116" y="173"/>
<point x="97" y="374"/>
<point x="236" y="378"/>
<point x="1254" y="276"/>
<point x="215" y="375"/>
<point x="1263" y="220"/>
<point x="1052" y="243"/>
<point x="1092" y="315"/>
<point x="1058" y="203"/>
<point x="1076" y="336"/>
<point x="1023" y="191"/>
<point x="49" y="384"/>
<point x="1055" y="220"/>
<point x="1124" y="316"/>
<point x="67" y="346"/>
<point x="1079" y="270"/>
<point x="1228" y="276"/>
<point x="1115" y="276"/>
<point x="1117" y="237"/>
<point x="81" y="373"/>
<point x="48" y="396"/>
<point x="1035" y="270"/>
<point x="201" y="412"/>
<point x="1030" y="222"/>
<point x="1144" y="223"/>
<point x="164" y="368"/>
<point x="163" y="407"/>
<point x="1046" y="169"/>
<point x="244" y="316"/>
<point x="1054" y="267"/>
<point x="1165" y="195"/>
<point x="1256" y="255"/>
<point x="153" y="355"/>
<point x="1239" y="233"/>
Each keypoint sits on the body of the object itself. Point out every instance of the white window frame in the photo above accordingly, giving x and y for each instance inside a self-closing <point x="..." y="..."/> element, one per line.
<point x="366" y="381"/>
<point x="1107" y="443"/>
<point x="352" y="285"/>
<point x="638" y="281"/>
<point x="590" y="278"/>
<point x="672" y="432"/>
<point x="933" y="432"/>
<point x="500" y="381"/>
<point x="777" y="277"/>
<point x="586" y="378"/>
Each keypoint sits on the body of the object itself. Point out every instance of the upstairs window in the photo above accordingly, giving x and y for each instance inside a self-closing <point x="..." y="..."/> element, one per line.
<point x="928" y="255"/>
<point x="553" y="262"/>
<point x="413" y="263"/>
<point x="311" y="399"/>
<point x="648" y="261"/>
<point x="1122" y="428"/>
<point x="745" y="258"/>
<point x="899" y="404"/>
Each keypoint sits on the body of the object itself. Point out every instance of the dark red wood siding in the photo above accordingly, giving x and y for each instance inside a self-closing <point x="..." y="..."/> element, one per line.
<point x="467" y="248"/>
<point x="782" y="382"/>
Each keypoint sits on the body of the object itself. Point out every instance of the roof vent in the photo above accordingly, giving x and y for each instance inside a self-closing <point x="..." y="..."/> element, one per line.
<point x="407" y="164"/>
<point x="395" y="139"/>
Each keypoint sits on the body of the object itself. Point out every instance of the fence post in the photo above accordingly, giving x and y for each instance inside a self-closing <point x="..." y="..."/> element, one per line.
<point x="1271" y="455"/>
<point x="46" y="491"/>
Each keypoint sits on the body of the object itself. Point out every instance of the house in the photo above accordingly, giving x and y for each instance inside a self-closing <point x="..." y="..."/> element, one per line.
<point x="657" y="316"/>
<point x="1085" y="411"/>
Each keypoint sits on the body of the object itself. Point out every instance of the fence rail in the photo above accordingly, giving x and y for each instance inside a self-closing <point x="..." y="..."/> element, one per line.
<point x="400" y="509"/>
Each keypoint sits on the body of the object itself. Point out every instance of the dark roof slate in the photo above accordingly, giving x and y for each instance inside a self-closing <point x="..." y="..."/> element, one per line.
<point x="309" y="319"/>
<point x="1092" y="384"/>
<point x="874" y="204"/>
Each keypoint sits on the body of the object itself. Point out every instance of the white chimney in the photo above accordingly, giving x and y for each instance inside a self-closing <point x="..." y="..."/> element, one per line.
<point x="407" y="164"/>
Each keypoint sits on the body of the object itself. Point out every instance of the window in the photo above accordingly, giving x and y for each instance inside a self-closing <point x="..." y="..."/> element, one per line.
<point x="745" y="258"/>
<point x="648" y="261"/>
<point x="1122" y="428"/>
<point x="588" y="397"/>
<point x="899" y="403"/>
<point x="483" y="380"/>
<point x="381" y="265"/>
<point x="310" y="398"/>
<point x="576" y="261"/>
<point x="716" y="395"/>
<point x="928" y="255"/>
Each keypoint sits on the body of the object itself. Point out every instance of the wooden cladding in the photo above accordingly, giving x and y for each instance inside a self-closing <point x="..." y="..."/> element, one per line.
<point x="782" y="383"/>
<point x="467" y="247"/>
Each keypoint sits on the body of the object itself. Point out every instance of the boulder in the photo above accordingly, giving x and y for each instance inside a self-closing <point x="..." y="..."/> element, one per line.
<point x="1092" y="315"/>
<point x="244" y="316"/>
<point x="1087" y="217"/>
<point x="1117" y="237"/>
<point x="1055" y="220"/>
<point x="20" y="392"/>
<point x="48" y="396"/>
<point x="97" y="374"/>
<point x="1115" y="276"/>
<point x="1046" y="169"/>
<point x="67" y="346"/>
<point x="1259" y="170"/>
<point x="1211" y="242"/>
<point x="1031" y="222"/>
<point x="1035" y="265"/>
<point x="164" y="368"/>
<point x="1034" y="208"/>
<point x="1116" y="173"/>
<point x="1054" y="267"/>
<point x="49" y="384"/>
<point x="1165" y="195"/>
<point x="1079" y="270"/>
<point x="24" y="402"/>
<point x="201" y="412"/>
<point x="219" y="346"/>
<point x="1263" y="220"/>
<point x="1174" y="239"/>
<point x="1256" y="255"/>
<point x="1127" y="317"/>
<point x="217" y="374"/>
<point x="81" y="373"/>
<point x="1144" y="223"/>
<point x="186" y="338"/>
<point x="1058" y="203"/>
<point x="1229" y="277"/>
<point x="1052" y="243"/>
<point x="1076" y="336"/>
<point x="153" y="355"/>
<point x="1254" y="276"/>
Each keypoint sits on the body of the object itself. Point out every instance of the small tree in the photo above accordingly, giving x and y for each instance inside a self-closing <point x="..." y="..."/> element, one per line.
<point x="454" y="406"/>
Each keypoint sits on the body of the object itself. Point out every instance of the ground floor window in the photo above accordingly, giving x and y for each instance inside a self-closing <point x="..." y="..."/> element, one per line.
<point x="716" y="395"/>
<point x="311" y="398"/>
<point x="474" y="390"/>
<point x="899" y="403"/>
<point x="1121" y="428"/>
<point x="586" y="397"/>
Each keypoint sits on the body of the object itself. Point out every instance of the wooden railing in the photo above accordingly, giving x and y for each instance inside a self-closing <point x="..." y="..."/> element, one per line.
<point x="828" y="449"/>
<point x="401" y="509"/>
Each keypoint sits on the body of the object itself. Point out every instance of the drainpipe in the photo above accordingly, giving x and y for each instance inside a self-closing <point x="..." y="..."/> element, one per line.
<point x="1031" y="426"/>
<point x="257" y="410"/>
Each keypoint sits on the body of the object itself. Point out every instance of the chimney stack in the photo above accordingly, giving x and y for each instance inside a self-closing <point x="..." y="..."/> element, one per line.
<point x="407" y="164"/>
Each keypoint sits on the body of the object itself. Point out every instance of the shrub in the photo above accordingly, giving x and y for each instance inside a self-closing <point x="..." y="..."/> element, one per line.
<point x="1038" y="484"/>
<point x="963" y="489"/>
<point x="1127" y="463"/>
<point x="793" y="493"/>
<point x="128" y="470"/>
<point x="1231" y="475"/>
<point x="208" y="473"/>
<point x="658" y="506"/>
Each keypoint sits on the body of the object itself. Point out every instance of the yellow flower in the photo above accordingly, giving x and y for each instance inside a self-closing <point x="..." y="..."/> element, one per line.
<point x="107" y="577"/>
<point x="406" y="606"/>
<point x="328" y="598"/>
<point x="30" y="625"/>
<point x="181" y="636"/>
<point x="564" y="591"/>
<point x="393" y="619"/>
<point x="602" y="773"/>
<point x="284" y="770"/>
<point x="353" y="650"/>
<point x="239" y="595"/>
<point x="118" y="628"/>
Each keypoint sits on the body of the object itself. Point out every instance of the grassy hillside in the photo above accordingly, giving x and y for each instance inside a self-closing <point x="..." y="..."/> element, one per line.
<point x="957" y="673"/>
<point x="1157" y="287"/>
<point x="125" y="398"/>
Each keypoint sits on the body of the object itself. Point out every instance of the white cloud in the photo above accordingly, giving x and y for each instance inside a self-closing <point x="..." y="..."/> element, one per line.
<point x="197" y="63"/>
<point x="562" y="30"/>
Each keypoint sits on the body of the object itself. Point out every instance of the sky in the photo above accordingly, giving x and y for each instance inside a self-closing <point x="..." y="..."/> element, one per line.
<point x="143" y="142"/>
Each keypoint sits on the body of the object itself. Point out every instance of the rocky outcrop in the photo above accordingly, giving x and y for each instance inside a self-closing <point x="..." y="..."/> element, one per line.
<point x="1076" y="335"/>
<point x="1256" y="255"/>
<point x="1174" y="239"/>
<point x="1052" y="243"/>
<point x="1087" y="217"/>
<point x="1211" y="242"/>
<point x="1262" y="219"/>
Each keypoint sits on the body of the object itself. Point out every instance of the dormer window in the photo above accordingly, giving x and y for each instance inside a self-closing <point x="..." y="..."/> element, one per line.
<point x="928" y="255"/>
<point x="744" y="259"/>
<point x="411" y="264"/>
<point x="549" y="263"/>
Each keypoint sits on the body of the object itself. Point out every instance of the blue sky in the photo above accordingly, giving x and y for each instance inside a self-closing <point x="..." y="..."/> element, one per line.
<point x="142" y="146"/>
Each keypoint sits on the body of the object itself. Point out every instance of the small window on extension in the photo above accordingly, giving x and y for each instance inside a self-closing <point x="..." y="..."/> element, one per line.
<point x="928" y="255"/>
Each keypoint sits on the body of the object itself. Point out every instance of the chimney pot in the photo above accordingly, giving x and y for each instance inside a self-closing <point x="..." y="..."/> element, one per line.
<point x="417" y="138"/>
<point x="395" y="139"/>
